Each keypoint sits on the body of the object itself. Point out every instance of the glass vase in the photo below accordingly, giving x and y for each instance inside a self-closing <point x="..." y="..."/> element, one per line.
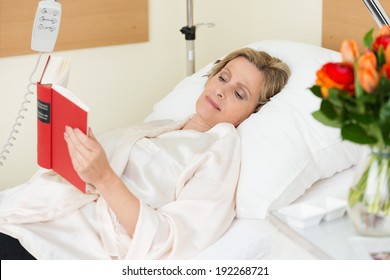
<point x="368" y="200"/>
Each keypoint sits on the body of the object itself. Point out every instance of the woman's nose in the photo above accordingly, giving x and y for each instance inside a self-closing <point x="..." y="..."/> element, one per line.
<point x="221" y="92"/>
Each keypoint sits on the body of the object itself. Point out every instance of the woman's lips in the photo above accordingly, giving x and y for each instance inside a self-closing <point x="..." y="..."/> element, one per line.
<point x="215" y="105"/>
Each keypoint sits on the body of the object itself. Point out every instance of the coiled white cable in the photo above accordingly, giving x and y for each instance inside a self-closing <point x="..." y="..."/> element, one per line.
<point x="18" y="121"/>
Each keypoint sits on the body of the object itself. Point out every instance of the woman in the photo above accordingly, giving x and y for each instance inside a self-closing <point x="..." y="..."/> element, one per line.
<point x="166" y="190"/>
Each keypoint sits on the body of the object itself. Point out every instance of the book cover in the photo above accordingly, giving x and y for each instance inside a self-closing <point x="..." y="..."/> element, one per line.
<point x="58" y="108"/>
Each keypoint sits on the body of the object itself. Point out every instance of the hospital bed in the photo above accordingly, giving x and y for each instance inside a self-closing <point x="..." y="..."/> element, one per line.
<point x="286" y="154"/>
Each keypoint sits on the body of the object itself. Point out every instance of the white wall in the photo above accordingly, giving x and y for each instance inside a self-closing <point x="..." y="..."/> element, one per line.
<point x="121" y="83"/>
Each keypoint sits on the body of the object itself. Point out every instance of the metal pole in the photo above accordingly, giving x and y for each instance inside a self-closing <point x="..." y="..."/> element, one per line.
<point x="189" y="32"/>
<point x="190" y="43"/>
<point x="190" y="57"/>
<point x="190" y="14"/>
<point x="377" y="12"/>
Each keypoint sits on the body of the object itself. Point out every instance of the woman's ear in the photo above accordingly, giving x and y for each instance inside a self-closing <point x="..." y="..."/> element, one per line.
<point x="257" y="108"/>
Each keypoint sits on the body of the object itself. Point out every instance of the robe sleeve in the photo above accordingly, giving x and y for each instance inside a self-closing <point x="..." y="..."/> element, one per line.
<point x="203" y="210"/>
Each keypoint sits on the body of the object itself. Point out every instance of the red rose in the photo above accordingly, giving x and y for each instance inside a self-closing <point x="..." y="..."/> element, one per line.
<point x="385" y="70"/>
<point x="336" y="75"/>
<point x="381" y="41"/>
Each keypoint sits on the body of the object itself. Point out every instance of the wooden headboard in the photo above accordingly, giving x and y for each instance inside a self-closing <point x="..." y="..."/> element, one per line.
<point x="84" y="24"/>
<point x="346" y="19"/>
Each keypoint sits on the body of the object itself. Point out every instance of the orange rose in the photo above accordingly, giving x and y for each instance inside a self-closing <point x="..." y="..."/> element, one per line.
<point x="349" y="51"/>
<point x="367" y="73"/>
<point x="367" y="60"/>
<point x="368" y="79"/>
<point x="384" y="31"/>
<point x="387" y="54"/>
<point x="336" y="75"/>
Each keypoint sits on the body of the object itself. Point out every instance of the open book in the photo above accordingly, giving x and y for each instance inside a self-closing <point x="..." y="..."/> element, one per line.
<point x="57" y="108"/>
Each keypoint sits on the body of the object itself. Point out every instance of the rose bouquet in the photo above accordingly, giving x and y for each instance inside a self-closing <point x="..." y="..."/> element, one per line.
<point x="355" y="97"/>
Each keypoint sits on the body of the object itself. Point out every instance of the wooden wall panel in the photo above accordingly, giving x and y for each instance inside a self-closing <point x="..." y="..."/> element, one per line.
<point x="84" y="24"/>
<point x="346" y="19"/>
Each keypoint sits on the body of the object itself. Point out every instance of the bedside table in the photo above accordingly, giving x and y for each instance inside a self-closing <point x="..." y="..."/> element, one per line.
<point x="327" y="240"/>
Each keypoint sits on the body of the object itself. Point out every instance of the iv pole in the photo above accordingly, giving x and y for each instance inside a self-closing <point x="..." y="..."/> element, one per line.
<point x="190" y="34"/>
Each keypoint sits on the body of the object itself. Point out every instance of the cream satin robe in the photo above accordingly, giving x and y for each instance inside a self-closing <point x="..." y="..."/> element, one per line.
<point x="185" y="180"/>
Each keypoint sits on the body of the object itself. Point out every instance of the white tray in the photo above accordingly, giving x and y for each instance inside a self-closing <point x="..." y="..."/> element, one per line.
<point x="312" y="212"/>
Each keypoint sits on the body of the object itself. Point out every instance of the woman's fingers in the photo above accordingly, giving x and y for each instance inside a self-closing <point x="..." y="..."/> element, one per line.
<point x="79" y="139"/>
<point x="91" y="135"/>
<point x="76" y="151"/>
<point x="88" y="157"/>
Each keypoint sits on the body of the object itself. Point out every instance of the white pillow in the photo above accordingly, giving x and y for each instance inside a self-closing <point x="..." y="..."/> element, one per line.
<point x="284" y="149"/>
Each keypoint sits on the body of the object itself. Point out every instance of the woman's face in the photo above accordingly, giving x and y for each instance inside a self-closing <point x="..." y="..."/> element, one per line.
<point x="232" y="94"/>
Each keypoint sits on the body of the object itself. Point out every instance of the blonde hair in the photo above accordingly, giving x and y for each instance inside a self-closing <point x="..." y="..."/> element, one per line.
<point x="276" y="72"/>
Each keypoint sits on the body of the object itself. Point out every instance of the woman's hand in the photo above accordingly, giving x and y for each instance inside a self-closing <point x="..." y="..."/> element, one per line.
<point x="87" y="155"/>
<point x="90" y="162"/>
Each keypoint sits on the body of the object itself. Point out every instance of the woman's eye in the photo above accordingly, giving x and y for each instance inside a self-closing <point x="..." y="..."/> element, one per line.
<point x="222" y="79"/>
<point x="238" y="95"/>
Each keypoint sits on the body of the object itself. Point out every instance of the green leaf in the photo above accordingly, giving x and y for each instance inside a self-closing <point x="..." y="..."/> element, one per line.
<point x="316" y="90"/>
<point x="362" y="118"/>
<point x="349" y="102"/>
<point x="345" y="96"/>
<point x="384" y="128"/>
<point x="381" y="57"/>
<point x="385" y="111"/>
<point x="368" y="98"/>
<point x="328" y="110"/>
<point x="359" y="91"/>
<point x="319" y="116"/>
<point x="351" y="107"/>
<point x="368" y="38"/>
<point x="334" y="97"/>
<point x="355" y="133"/>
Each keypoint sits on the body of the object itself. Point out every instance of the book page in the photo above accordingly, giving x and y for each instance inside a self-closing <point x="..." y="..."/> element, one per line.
<point x="57" y="71"/>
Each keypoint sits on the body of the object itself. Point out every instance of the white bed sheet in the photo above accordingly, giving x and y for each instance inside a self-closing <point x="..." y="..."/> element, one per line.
<point x="251" y="239"/>
<point x="246" y="239"/>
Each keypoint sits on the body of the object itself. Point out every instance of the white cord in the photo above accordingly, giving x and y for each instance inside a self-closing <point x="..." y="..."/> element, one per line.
<point x="20" y="116"/>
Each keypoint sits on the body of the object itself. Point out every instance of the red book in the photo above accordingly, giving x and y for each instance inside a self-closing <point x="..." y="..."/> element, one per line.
<point x="57" y="108"/>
